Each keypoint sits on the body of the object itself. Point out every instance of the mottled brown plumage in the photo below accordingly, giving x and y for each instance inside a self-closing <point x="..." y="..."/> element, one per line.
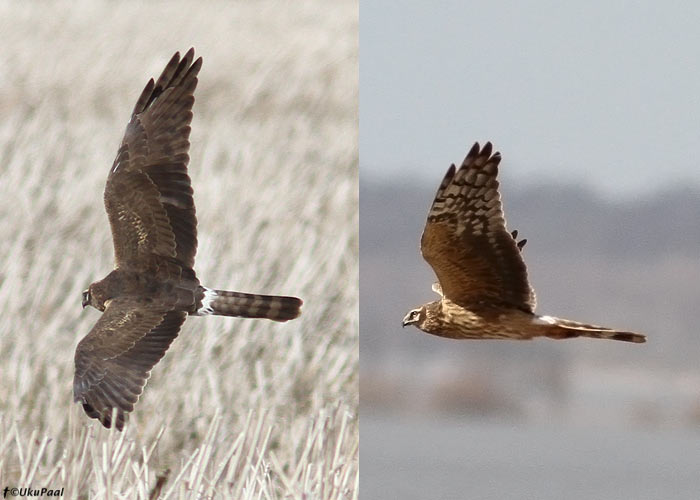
<point x="146" y="298"/>
<point x="482" y="278"/>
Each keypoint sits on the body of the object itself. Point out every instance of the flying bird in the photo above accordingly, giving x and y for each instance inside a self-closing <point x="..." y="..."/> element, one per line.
<point x="482" y="278"/>
<point x="153" y="287"/>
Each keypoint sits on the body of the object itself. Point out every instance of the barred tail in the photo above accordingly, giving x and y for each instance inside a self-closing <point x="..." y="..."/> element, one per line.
<point x="246" y="305"/>
<point x="558" y="328"/>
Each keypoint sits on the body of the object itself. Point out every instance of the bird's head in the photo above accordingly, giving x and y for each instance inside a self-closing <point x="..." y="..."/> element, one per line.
<point x="415" y="317"/>
<point x="94" y="296"/>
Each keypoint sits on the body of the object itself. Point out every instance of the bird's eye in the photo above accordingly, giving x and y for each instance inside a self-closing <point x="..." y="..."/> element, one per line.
<point x="414" y="314"/>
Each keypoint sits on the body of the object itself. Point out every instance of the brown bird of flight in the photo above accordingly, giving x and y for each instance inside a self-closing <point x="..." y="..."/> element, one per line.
<point x="153" y="287"/>
<point x="482" y="277"/>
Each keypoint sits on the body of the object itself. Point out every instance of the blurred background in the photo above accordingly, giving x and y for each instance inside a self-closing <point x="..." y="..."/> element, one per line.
<point x="594" y="107"/>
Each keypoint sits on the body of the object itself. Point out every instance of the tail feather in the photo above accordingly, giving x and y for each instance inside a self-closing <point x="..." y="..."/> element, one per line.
<point x="558" y="328"/>
<point x="246" y="305"/>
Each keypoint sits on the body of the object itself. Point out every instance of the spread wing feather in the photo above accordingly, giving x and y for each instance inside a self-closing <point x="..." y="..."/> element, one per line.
<point x="465" y="239"/>
<point x="148" y="196"/>
<point x="114" y="361"/>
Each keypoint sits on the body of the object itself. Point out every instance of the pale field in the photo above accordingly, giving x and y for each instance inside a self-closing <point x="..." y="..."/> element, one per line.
<point x="237" y="408"/>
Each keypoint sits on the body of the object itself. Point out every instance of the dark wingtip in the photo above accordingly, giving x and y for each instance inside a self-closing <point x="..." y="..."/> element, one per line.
<point x="448" y="176"/>
<point x="477" y="152"/>
<point x="107" y="421"/>
<point x="105" y="418"/>
<point x="187" y="60"/>
<point x="473" y="153"/>
<point x="174" y="61"/>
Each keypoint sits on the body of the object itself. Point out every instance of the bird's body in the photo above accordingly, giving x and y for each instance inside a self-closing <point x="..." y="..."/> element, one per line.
<point x="153" y="288"/>
<point x="485" y="293"/>
<point x="188" y="296"/>
<point x="445" y="318"/>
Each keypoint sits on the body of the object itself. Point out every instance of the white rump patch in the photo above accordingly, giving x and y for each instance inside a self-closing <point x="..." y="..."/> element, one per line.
<point x="209" y="297"/>
<point x="545" y="320"/>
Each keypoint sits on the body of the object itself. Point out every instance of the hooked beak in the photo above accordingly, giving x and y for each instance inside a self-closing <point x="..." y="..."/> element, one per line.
<point x="85" y="303"/>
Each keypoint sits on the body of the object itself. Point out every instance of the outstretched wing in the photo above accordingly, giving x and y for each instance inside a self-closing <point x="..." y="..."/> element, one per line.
<point x="465" y="239"/>
<point x="113" y="361"/>
<point x="148" y="196"/>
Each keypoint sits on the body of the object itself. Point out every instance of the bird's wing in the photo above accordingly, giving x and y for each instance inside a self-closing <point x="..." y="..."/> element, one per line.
<point x="148" y="196"/>
<point x="465" y="239"/>
<point x="113" y="361"/>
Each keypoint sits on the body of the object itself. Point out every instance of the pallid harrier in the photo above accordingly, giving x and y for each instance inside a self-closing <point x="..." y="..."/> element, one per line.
<point x="153" y="287"/>
<point x="483" y="282"/>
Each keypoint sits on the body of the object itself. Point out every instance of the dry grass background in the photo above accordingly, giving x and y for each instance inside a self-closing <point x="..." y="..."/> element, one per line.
<point x="237" y="408"/>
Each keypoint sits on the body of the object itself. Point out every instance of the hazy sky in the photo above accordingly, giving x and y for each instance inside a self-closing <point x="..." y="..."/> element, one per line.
<point x="606" y="93"/>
